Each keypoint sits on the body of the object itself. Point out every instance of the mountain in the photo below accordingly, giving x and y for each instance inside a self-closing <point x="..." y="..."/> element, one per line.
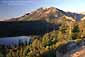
<point x="40" y="21"/>
<point x="55" y="33"/>
<point x="48" y="13"/>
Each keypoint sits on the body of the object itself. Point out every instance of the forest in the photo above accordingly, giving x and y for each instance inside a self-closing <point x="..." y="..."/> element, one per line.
<point x="47" y="44"/>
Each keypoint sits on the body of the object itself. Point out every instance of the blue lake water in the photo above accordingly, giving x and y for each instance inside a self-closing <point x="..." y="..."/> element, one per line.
<point x="14" y="40"/>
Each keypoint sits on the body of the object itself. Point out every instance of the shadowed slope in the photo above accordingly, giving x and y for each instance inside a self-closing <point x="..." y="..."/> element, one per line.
<point x="17" y="28"/>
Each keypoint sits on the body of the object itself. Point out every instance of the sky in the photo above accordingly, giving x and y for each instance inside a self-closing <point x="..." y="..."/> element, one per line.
<point x="16" y="8"/>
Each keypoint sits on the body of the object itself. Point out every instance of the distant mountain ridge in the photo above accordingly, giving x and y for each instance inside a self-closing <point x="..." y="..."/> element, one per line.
<point x="41" y="21"/>
<point x="46" y="13"/>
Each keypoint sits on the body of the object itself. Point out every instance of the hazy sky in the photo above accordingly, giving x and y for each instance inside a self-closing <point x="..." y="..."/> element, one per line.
<point x="14" y="8"/>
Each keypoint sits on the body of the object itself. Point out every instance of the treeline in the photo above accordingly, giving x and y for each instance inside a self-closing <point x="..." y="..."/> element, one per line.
<point x="46" y="45"/>
<point x="18" y="28"/>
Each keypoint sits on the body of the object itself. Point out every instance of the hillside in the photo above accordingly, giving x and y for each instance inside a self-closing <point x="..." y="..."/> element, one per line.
<point x="54" y="33"/>
<point x="41" y="16"/>
<point x="47" y="13"/>
<point x="20" y="28"/>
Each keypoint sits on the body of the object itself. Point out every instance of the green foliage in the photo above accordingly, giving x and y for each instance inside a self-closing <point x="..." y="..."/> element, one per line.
<point x="45" y="39"/>
<point x="76" y="32"/>
<point x="76" y="29"/>
<point x="1" y="55"/>
<point x="47" y="44"/>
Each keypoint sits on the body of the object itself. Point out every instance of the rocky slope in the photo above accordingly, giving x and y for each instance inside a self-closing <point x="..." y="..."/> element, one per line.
<point x="47" y="20"/>
<point x="72" y="49"/>
<point x="46" y="14"/>
<point x="50" y="15"/>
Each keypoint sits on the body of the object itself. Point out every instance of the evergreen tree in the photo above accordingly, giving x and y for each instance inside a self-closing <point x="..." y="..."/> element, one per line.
<point x="75" y="31"/>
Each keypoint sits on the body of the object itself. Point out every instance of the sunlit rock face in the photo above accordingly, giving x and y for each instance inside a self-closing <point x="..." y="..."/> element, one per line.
<point x="48" y="13"/>
<point x="83" y="18"/>
<point x="80" y="53"/>
<point x="72" y="49"/>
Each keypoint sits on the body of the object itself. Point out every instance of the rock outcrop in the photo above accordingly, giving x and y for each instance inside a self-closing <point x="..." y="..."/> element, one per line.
<point x="48" y="13"/>
<point x="72" y="49"/>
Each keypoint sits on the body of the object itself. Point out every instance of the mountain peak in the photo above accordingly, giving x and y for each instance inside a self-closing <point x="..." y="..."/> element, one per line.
<point x="48" y="13"/>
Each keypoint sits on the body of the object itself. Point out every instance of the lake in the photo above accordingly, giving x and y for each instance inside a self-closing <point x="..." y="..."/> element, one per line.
<point x="14" y="40"/>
